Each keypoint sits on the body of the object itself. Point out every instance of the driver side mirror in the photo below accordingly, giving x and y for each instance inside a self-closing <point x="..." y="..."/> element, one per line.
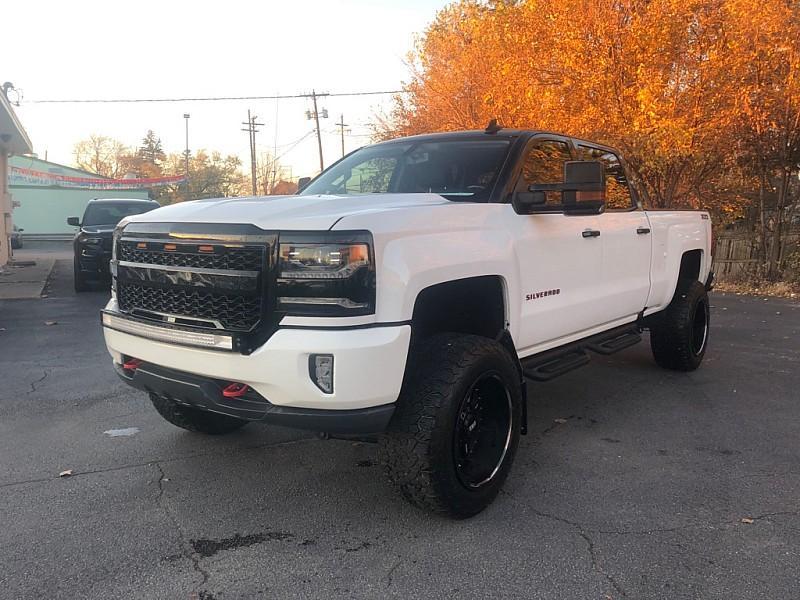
<point x="582" y="193"/>
<point x="302" y="183"/>
<point x="74" y="221"/>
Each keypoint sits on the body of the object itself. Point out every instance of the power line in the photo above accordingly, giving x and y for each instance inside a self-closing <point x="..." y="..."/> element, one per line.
<point x="294" y="144"/>
<point x="206" y="99"/>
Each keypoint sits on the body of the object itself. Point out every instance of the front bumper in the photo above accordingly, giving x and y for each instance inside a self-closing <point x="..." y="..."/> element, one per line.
<point x="95" y="262"/>
<point x="369" y="364"/>
<point x="207" y="394"/>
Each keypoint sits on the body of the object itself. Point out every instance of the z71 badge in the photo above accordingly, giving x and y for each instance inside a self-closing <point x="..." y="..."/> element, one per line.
<point x="537" y="295"/>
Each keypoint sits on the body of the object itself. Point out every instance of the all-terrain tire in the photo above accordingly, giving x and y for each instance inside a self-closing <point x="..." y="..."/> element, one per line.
<point x="419" y="450"/>
<point x="80" y="281"/>
<point x="196" y="420"/>
<point x="679" y="334"/>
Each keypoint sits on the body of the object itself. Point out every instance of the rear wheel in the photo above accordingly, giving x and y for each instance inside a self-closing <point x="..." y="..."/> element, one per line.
<point x="454" y="434"/>
<point x="196" y="420"/>
<point x="679" y="334"/>
<point x="80" y="281"/>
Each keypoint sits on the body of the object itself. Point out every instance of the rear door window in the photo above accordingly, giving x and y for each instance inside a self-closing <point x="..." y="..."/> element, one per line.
<point x="618" y="192"/>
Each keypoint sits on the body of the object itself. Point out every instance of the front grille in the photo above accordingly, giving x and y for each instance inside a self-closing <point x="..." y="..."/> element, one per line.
<point x="197" y="283"/>
<point x="223" y="258"/>
<point x="233" y="312"/>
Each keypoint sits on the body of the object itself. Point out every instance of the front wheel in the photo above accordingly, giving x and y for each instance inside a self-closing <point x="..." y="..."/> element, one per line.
<point x="679" y="334"/>
<point x="193" y="419"/>
<point x="454" y="434"/>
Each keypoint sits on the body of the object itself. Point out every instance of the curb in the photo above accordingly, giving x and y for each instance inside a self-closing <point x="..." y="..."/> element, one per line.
<point x="26" y="289"/>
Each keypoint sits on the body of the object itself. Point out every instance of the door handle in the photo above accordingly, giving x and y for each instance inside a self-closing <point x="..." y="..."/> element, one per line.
<point x="590" y="233"/>
<point x="642" y="230"/>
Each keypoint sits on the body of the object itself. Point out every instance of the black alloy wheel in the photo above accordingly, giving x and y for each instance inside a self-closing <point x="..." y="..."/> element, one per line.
<point x="482" y="433"/>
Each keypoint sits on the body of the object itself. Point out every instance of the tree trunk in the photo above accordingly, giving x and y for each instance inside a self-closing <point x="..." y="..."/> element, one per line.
<point x="762" y="222"/>
<point x="773" y="270"/>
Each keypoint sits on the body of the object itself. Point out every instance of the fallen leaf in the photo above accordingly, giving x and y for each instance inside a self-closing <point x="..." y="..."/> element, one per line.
<point x="50" y="322"/>
<point x="747" y="520"/>
<point x="560" y="420"/>
<point x="66" y="473"/>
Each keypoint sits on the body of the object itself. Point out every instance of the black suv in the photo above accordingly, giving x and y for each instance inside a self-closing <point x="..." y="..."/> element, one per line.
<point x="93" y="242"/>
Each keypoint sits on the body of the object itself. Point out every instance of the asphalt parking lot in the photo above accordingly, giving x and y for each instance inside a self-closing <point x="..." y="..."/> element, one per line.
<point x="634" y="482"/>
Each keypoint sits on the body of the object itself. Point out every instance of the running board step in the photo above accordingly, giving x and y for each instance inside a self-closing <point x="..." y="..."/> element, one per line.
<point x="615" y="344"/>
<point x="552" y="363"/>
<point x="551" y="367"/>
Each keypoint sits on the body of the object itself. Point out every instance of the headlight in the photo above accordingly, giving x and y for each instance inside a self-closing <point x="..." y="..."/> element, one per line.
<point x="115" y="240"/>
<point x="93" y="240"/>
<point x="326" y="274"/>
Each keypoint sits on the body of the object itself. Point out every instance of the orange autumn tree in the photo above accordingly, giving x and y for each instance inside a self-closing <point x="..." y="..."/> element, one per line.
<point x="643" y="76"/>
<point x="762" y="63"/>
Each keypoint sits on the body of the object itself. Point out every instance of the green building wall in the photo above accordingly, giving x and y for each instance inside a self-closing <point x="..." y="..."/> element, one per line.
<point x="43" y="210"/>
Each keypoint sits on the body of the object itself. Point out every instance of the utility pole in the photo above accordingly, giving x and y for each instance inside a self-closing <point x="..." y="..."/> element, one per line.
<point x="316" y="115"/>
<point x="251" y="129"/>
<point x="274" y="150"/>
<point x="341" y="125"/>
<point x="186" y="118"/>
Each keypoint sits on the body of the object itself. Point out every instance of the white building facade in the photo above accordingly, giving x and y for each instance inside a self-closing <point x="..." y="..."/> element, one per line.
<point x="13" y="140"/>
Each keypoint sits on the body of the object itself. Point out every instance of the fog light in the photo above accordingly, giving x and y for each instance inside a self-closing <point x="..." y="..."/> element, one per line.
<point x="320" y="369"/>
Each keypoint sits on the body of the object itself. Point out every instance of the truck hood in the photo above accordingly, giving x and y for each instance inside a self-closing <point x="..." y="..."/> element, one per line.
<point x="285" y="212"/>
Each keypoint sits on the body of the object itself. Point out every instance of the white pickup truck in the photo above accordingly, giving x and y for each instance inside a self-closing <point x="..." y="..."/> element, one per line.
<point x="410" y="290"/>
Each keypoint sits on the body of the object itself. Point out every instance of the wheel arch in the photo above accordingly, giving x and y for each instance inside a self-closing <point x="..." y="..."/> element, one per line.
<point x="691" y="264"/>
<point x="475" y="305"/>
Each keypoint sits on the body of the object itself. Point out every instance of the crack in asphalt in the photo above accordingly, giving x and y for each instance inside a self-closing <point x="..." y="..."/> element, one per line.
<point x="593" y="555"/>
<point x="390" y="573"/>
<point x="584" y="530"/>
<point x="598" y="567"/>
<point x="786" y="513"/>
<point x="652" y="530"/>
<point x="151" y="461"/>
<point x="40" y="380"/>
<point x="185" y="547"/>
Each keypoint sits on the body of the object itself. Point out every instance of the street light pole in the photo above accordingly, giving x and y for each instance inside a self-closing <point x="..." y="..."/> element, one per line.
<point x="186" y="174"/>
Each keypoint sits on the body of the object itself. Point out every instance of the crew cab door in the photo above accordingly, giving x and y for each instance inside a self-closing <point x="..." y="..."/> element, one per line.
<point x="559" y="257"/>
<point x="626" y="243"/>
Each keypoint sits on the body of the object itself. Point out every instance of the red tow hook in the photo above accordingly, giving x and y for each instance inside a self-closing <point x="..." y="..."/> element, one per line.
<point x="131" y="364"/>
<point x="235" y="390"/>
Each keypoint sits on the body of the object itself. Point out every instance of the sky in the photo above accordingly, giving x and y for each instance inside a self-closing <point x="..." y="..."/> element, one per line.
<point x="88" y="49"/>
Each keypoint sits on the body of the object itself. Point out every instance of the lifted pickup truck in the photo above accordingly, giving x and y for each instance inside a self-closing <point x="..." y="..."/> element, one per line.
<point x="410" y="290"/>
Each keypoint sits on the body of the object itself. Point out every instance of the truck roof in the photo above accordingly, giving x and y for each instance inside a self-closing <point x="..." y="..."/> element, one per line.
<point x="502" y="133"/>
<point x="126" y="200"/>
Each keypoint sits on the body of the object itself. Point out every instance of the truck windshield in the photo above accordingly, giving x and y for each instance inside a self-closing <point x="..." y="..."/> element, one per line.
<point x="111" y="213"/>
<point x="461" y="169"/>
